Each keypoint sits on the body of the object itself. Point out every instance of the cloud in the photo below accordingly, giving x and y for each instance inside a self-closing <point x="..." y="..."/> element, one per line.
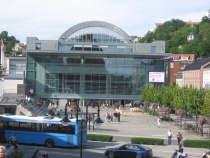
<point x="48" y="19"/>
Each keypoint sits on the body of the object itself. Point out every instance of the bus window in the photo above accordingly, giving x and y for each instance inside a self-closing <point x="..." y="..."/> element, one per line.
<point x="25" y="126"/>
<point x="13" y="125"/>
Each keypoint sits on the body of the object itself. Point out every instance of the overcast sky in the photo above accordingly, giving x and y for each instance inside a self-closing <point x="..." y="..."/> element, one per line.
<point x="48" y="19"/>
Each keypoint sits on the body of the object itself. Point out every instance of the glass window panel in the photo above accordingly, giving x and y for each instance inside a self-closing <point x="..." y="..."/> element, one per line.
<point x="153" y="49"/>
<point x="30" y="67"/>
<point x="38" y="46"/>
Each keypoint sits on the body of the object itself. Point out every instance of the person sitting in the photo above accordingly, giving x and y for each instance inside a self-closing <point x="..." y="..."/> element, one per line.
<point x="39" y="103"/>
<point x="181" y="150"/>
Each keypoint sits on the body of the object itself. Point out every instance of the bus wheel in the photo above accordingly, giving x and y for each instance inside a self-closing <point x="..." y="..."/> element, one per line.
<point x="49" y="143"/>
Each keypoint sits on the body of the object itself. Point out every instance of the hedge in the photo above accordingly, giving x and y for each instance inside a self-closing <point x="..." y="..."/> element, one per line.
<point x="98" y="137"/>
<point x="148" y="141"/>
<point x="196" y="143"/>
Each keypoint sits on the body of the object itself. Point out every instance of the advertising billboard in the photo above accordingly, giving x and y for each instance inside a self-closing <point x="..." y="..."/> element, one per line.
<point x="156" y="76"/>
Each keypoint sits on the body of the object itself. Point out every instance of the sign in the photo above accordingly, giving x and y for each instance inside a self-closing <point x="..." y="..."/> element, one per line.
<point x="156" y="76"/>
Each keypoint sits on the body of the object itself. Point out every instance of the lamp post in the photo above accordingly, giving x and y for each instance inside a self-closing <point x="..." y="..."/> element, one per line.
<point x="65" y="121"/>
<point x="81" y="135"/>
<point x="81" y="123"/>
<point x="98" y="119"/>
<point x="69" y="104"/>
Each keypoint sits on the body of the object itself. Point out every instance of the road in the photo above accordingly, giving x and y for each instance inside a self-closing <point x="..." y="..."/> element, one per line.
<point x="141" y="125"/>
<point x="91" y="152"/>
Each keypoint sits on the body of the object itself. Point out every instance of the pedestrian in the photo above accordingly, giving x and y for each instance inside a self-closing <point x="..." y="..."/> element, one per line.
<point x="39" y="103"/>
<point x="179" y="137"/>
<point x="158" y="122"/>
<point x="181" y="149"/>
<point x="107" y="118"/>
<point x="115" y="116"/>
<point x="2" y="151"/>
<point x="169" y="136"/>
<point x="118" y="117"/>
<point x="111" y="117"/>
<point x="29" y="99"/>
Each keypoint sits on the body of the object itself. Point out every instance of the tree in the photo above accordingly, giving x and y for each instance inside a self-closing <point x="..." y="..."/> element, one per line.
<point x="148" y="93"/>
<point x="206" y="106"/>
<point x="175" y="33"/>
<point x="205" y="19"/>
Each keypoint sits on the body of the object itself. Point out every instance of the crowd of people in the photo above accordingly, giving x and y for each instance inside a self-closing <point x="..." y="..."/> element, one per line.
<point x="109" y="117"/>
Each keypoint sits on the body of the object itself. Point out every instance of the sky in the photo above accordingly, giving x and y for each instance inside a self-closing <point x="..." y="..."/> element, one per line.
<point x="49" y="19"/>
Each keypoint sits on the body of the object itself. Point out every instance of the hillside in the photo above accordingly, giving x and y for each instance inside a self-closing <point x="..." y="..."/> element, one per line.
<point x="175" y="33"/>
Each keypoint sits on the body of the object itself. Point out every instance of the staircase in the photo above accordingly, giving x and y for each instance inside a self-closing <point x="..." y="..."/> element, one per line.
<point x="31" y="109"/>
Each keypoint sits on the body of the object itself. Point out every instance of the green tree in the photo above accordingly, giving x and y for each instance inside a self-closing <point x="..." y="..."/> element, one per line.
<point x="206" y="106"/>
<point x="148" y="92"/>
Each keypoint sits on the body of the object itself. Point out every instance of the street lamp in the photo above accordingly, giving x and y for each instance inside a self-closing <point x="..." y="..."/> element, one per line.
<point x="98" y="119"/>
<point x="81" y="135"/>
<point x="65" y="121"/>
<point x="69" y="104"/>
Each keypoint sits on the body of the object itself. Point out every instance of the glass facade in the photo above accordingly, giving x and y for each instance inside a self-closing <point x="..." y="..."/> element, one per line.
<point x="88" y="75"/>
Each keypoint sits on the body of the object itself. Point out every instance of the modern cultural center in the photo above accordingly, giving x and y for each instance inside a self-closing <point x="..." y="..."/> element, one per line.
<point x="92" y="60"/>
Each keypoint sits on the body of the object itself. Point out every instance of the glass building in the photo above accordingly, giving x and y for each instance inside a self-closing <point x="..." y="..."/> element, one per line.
<point x="93" y="60"/>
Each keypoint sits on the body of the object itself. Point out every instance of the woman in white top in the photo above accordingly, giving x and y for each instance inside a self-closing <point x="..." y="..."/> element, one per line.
<point x="169" y="137"/>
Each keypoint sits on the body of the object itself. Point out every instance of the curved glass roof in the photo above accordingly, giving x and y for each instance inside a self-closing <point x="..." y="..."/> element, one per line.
<point x="96" y="34"/>
<point x="95" y="31"/>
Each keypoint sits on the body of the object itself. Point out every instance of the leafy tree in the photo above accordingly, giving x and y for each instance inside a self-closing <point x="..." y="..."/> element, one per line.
<point x="9" y="41"/>
<point x="149" y="93"/>
<point x="206" y="106"/>
<point x="168" y="94"/>
<point x="205" y="19"/>
<point x="175" y="34"/>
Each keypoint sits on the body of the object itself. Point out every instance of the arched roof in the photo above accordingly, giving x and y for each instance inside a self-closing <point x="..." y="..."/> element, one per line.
<point x="88" y="24"/>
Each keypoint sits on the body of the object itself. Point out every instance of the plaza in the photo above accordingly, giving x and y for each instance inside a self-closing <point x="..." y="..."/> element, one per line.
<point x="144" y="125"/>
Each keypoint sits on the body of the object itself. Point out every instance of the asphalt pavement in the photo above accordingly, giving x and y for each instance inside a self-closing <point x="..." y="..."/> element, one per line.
<point x="139" y="124"/>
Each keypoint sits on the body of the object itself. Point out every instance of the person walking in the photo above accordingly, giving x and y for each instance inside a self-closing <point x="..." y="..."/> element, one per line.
<point x="2" y="151"/>
<point x="158" y="122"/>
<point x="107" y="118"/>
<point x="179" y="137"/>
<point x="115" y="116"/>
<point x="169" y="136"/>
<point x="118" y="117"/>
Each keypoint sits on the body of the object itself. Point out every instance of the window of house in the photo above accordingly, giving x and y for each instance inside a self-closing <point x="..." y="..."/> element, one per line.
<point x="184" y="58"/>
<point x="38" y="46"/>
<point x="153" y="49"/>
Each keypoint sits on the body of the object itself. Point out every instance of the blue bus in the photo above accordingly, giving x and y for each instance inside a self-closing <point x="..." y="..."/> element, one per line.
<point x="43" y="130"/>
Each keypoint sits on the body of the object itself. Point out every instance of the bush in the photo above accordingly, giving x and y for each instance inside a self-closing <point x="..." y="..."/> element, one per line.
<point x="98" y="137"/>
<point x="148" y="141"/>
<point x="196" y="143"/>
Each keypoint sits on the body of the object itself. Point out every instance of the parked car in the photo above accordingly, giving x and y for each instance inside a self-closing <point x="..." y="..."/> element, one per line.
<point x="129" y="151"/>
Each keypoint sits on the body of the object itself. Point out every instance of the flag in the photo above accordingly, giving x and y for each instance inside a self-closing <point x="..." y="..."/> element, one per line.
<point x="2" y="45"/>
<point x="2" y="52"/>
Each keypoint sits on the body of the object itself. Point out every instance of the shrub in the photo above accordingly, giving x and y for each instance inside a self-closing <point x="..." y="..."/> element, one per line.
<point x="196" y="143"/>
<point x="98" y="137"/>
<point x="148" y="141"/>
